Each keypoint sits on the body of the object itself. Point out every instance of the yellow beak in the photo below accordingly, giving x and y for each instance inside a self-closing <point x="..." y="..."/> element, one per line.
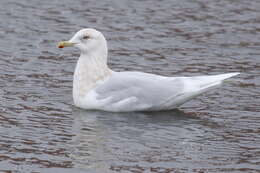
<point x="63" y="44"/>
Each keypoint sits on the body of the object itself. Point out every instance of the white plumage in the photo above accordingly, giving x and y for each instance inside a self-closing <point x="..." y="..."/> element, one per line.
<point x="95" y="86"/>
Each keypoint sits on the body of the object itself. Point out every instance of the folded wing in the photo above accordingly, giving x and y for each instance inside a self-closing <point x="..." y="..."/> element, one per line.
<point x="136" y="91"/>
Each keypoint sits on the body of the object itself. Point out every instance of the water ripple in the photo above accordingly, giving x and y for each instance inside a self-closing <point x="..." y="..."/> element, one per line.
<point x="40" y="128"/>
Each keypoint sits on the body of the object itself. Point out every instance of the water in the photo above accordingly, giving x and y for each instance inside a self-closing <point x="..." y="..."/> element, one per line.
<point x="41" y="130"/>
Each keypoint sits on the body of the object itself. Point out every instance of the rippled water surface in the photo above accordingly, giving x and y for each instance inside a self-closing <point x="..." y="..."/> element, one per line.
<point x="41" y="130"/>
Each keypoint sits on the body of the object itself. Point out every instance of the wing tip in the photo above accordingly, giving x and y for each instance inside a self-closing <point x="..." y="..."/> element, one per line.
<point x="235" y="73"/>
<point x="229" y="75"/>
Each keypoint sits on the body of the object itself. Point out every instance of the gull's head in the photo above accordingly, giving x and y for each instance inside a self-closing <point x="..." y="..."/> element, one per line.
<point x="87" y="40"/>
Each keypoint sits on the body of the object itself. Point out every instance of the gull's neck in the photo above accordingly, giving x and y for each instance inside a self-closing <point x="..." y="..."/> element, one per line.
<point x="90" y="69"/>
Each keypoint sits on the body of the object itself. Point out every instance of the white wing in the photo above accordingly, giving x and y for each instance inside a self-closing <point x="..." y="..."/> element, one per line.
<point x="136" y="91"/>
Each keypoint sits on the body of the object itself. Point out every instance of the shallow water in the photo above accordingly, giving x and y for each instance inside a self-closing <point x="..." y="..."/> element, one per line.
<point x="41" y="130"/>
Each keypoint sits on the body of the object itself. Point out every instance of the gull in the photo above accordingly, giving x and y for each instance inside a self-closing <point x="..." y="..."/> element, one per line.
<point x="97" y="87"/>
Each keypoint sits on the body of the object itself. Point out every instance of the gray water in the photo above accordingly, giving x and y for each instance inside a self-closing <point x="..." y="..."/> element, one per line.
<point x="41" y="130"/>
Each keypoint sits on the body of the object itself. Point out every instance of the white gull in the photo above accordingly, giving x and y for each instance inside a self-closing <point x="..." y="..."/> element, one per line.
<point x="97" y="87"/>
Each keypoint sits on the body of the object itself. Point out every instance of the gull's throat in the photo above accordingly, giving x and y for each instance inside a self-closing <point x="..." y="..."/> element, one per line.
<point x="90" y="69"/>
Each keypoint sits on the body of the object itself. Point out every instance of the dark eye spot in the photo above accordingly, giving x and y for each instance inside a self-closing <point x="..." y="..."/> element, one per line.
<point x="86" y="37"/>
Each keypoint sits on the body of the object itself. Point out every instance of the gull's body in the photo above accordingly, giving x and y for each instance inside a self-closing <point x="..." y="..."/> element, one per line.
<point x="95" y="86"/>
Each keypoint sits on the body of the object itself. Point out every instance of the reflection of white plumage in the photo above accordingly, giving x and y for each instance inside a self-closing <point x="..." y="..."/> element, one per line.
<point x="95" y="86"/>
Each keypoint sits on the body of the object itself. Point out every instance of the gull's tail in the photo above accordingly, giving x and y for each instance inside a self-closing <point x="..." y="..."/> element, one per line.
<point x="202" y="83"/>
<point x="194" y="86"/>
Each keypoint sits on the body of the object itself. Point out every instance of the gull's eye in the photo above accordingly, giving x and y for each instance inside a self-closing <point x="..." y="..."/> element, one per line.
<point x="86" y="37"/>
